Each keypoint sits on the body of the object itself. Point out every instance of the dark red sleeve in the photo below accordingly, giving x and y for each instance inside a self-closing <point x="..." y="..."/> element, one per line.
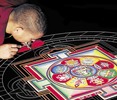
<point x="9" y="3"/>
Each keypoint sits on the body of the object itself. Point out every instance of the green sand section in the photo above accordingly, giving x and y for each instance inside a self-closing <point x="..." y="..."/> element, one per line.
<point x="41" y="69"/>
<point x="42" y="83"/>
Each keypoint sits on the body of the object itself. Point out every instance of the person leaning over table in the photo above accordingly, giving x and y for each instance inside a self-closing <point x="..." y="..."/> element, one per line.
<point x="24" y="21"/>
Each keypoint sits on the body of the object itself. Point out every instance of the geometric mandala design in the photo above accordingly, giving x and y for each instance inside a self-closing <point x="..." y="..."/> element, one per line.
<point x="69" y="66"/>
<point x="75" y="74"/>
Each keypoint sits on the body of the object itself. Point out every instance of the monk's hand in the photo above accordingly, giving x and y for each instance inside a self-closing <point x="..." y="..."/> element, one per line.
<point x="8" y="51"/>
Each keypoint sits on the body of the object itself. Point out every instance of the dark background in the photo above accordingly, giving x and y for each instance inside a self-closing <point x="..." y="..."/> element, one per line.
<point x="65" y="16"/>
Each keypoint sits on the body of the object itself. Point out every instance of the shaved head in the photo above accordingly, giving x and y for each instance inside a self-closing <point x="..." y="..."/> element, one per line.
<point x="30" y="17"/>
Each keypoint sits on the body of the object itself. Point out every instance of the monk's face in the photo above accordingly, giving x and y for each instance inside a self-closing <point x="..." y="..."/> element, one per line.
<point x="26" y="36"/>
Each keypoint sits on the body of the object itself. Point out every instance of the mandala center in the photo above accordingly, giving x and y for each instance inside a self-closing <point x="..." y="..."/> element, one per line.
<point x="83" y="71"/>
